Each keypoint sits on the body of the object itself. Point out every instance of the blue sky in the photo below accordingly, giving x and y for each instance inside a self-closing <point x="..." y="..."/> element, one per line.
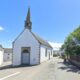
<point x="53" y="20"/>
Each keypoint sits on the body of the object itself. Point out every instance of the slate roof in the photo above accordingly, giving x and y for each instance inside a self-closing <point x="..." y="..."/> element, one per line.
<point x="41" y="41"/>
<point x="7" y="50"/>
<point x="1" y="48"/>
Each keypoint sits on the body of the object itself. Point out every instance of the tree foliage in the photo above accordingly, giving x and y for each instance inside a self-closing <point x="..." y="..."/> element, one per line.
<point x="70" y="45"/>
<point x="76" y="33"/>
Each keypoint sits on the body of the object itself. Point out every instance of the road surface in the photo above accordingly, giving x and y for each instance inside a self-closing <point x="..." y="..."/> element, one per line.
<point x="53" y="69"/>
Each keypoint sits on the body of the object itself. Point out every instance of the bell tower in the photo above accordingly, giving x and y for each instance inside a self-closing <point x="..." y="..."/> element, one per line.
<point x="28" y="23"/>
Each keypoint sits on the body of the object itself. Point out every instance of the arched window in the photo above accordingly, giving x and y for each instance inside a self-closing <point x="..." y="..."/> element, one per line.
<point x="25" y="51"/>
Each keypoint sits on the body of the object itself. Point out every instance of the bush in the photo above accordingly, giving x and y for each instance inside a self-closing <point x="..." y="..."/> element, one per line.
<point x="55" y="55"/>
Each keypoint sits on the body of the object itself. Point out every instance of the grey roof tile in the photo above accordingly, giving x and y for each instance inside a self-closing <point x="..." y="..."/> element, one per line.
<point x="7" y="50"/>
<point x="41" y="41"/>
<point x="1" y="48"/>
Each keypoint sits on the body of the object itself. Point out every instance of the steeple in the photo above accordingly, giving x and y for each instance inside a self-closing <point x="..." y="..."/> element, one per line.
<point x="28" y="22"/>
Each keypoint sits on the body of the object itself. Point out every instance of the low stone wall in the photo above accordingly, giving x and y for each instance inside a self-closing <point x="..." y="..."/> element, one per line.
<point x="76" y="58"/>
<point x="74" y="62"/>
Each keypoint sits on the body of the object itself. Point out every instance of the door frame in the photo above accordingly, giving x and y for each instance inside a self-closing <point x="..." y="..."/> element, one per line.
<point x="22" y="49"/>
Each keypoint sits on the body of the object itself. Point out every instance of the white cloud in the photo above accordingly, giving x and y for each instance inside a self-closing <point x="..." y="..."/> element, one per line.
<point x="55" y="45"/>
<point x="1" y="28"/>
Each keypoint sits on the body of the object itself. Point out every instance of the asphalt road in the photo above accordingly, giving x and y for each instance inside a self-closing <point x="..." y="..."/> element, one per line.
<point x="53" y="69"/>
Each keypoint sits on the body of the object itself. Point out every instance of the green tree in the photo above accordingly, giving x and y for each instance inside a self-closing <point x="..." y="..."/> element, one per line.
<point x="70" y="45"/>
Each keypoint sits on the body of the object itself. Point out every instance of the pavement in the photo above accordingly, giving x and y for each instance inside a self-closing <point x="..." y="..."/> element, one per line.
<point x="53" y="69"/>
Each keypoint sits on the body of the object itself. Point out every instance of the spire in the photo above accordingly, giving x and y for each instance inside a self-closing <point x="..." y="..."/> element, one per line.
<point x="28" y="22"/>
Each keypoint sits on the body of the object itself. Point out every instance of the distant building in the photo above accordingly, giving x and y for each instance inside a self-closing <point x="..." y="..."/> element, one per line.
<point x="56" y="48"/>
<point x="29" y="48"/>
<point x="7" y="54"/>
<point x="1" y="54"/>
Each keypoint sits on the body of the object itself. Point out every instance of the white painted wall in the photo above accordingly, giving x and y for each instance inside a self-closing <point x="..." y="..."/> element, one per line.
<point x="43" y="52"/>
<point x="1" y="56"/>
<point x="7" y="57"/>
<point x="26" y="39"/>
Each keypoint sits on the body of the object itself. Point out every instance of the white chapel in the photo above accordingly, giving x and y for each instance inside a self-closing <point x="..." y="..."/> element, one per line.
<point x="29" y="48"/>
